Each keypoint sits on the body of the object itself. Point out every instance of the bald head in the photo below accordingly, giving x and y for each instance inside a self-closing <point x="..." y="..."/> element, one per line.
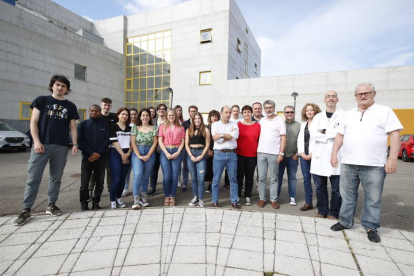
<point x="331" y="99"/>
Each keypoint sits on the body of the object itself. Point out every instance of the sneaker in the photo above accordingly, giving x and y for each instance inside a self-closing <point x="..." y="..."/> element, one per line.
<point x="208" y="189"/>
<point x="143" y="201"/>
<point x="238" y="201"/>
<point x="183" y="187"/>
<point x="193" y="202"/>
<point x="113" y="205"/>
<point x="119" y="203"/>
<point x="84" y="206"/>
<point x="179" y="184"/>
<point x="248" y="201"/>
<point x="53" y="210"/>
<point x="95" y="206"/>
<point x="125" y="193"/>
<point x="135" y="206"/>
<point x="22" y="218"/>
<point x="293" y="201"/>
<point x="200" y="203"/>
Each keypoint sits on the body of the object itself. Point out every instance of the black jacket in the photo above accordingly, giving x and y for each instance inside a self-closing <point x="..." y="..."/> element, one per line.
<point x="93" y="136"/>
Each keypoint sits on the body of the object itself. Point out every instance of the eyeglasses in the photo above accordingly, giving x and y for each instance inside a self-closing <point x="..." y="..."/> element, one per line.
<point x="365" y="94"/>
<point x="289" y="112"/>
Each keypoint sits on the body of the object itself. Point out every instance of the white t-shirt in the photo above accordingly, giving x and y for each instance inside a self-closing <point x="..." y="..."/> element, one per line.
<point x="366" y="135"/>
<point x="270" y="132"/>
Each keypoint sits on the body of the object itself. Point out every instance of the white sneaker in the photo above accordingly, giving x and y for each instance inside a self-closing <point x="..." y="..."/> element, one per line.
<point x="119" y="203"/>
<point x="113" y="205"/>
<point x="143" y="201"/>
<point x="193" y="202"/>
<point x="200" y="203"/>
<point x="248" y="201"/>
<point x="135" y="206"/>
<point x="293" y="201"/>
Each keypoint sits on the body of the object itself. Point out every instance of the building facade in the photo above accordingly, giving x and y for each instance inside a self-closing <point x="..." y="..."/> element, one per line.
<point x="201" y="52"/>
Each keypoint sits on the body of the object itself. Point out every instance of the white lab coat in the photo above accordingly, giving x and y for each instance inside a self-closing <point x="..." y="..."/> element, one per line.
<point x="323" y="143"/>
<point x="301" y="139"/>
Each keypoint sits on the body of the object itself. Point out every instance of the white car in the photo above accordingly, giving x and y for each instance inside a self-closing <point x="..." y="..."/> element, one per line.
<point x="13" y="139"/>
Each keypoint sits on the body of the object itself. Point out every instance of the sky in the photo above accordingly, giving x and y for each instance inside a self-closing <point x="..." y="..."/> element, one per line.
<point x="304" y="36"/>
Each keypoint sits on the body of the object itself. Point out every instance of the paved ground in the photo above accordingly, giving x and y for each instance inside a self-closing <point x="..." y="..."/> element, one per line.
<point x="196" y="241"/>
<point x="397" y="203"/>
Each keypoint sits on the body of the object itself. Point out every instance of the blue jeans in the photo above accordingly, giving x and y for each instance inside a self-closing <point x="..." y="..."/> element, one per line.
<point x="321" y="183"/>
<point x="292" y="168"/>
<point x="142" y="170"/>
<point x="170" y="170"/>
<point x="184" y="169"/>
<point x="372" y="180"/>
<point x="56" y="156"/>
<point x="127" y="178"/>
<point x="119" y="172"/>
<point x="154" y="173"/>
<point x="228" y="160"/>
<point x="198" y="173"/>
<point x="307" y="179"/>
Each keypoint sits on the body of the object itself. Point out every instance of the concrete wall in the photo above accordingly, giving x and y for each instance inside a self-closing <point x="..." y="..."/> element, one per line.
<point x="237" y="30"/>
<point x="113" y="31"/>
<point x="33" y="49"/>
<point x="60" y="16"/>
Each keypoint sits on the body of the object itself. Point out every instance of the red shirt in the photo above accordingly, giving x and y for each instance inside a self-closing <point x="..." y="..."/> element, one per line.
<point x="248" y="139"/>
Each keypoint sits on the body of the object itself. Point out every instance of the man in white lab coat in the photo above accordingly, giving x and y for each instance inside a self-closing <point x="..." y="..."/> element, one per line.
<point x="323" y="130"/>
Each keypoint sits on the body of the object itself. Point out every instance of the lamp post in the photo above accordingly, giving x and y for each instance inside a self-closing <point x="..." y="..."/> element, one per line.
<point x="170" y="90"/>
<point x="294" y="95"/>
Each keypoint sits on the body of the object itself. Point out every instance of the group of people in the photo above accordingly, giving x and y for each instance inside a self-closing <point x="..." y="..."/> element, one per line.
<point x="347" y="147"/>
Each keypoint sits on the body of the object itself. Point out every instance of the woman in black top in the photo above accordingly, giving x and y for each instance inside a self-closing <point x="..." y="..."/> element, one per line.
<point x="213" y="117"/>
<point x="119" y="153"/>
<point x="197" y="144"/>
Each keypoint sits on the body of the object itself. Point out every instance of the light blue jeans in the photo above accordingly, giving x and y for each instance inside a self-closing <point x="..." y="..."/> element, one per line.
<point x="56" y="156"/>
<point x="228" y="160"/>
<point x="142" y="170"/>
<point x="170" y="170"/>
<point x="198" y="173"/>
<point x="267" y="161"/>
<point x="372" y="180"/>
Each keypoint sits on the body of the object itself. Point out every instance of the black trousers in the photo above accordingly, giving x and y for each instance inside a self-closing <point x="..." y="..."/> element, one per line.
<point x="98" y="169"/>
<point x="245" y="171"/>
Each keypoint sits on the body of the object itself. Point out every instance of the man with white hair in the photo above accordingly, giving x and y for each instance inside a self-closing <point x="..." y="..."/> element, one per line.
<point x="362" y="138"/>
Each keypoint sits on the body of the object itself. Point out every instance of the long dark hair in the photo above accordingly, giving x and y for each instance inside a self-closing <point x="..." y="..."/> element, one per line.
<point x="139" y="122"/>
<point x="129" y="114"/>
<point x="192" y="128"/>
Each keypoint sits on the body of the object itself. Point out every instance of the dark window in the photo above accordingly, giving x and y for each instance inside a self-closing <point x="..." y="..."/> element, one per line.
<point x="80" y="72"/>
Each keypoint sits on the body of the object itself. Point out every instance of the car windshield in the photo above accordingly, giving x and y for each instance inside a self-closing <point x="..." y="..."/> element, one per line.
<point x="5" y="127"/>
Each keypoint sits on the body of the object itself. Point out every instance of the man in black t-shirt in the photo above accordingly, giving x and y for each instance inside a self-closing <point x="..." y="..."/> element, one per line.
<point x="52" y="117"/>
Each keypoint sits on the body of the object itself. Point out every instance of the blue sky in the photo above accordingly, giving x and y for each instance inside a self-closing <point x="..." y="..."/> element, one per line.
<point x="304" y="36"/>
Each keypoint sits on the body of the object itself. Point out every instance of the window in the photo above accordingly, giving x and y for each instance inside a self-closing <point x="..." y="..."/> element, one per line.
<point x="25" y="111"/>
<point x="82" y="114"/>
<point x="238" y="48"/>
<point x="205" y="78"/>
<point x="247" y="31"/>
<point x="255" y="68"/>
<point x="80" y="72"/>
<point x="205" y="35"/>
<point x="148" y="69"/>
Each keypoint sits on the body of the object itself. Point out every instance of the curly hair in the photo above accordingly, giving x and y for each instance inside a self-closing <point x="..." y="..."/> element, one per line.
<point x="315" y="108"/>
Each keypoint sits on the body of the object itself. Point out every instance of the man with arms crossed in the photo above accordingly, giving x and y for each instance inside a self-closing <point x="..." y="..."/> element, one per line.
<point x="270" y="152"/>
<point x="225" y="134"/>
<point x="323" y="130"/>
<point x="52" y="117"/>
<point x="362" y="139"/>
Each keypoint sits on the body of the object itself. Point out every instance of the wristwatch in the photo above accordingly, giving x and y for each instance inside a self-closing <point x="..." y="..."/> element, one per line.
<point x="282" y="153"/>
<point x="222" y="136"/>
<point x="75" y="145"/>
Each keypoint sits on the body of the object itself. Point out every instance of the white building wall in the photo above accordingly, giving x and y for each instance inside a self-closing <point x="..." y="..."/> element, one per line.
<point x="237" y="30"/>
<point x="33" y="49"/>
<point x="113" y="31"/>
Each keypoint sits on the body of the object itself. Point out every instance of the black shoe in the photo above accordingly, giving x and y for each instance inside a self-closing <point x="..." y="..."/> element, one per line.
<point x="373" y="236"/>
<point x="22" y="218"/>
<point x="84" y="206"/>
<point x="215" y="204"/>
<point x="235" y="205"/>
<point x="183" y="187"/>
<point x="95" y="206"/>
<point x="338" y="227"/>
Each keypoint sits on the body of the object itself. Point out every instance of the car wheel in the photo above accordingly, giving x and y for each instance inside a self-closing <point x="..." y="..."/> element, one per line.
<point x="405" y="157"/>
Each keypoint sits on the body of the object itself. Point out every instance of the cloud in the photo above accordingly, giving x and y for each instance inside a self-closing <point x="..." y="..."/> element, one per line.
<point x="398" y="60"/>
<point x="138" y="6"/>
<point x="340" y="35"/>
